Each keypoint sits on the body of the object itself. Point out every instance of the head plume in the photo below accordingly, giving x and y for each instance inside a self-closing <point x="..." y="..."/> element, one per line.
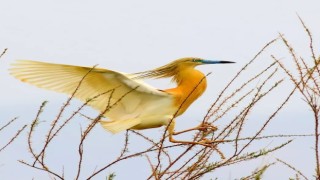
<point x="169" y="70"/>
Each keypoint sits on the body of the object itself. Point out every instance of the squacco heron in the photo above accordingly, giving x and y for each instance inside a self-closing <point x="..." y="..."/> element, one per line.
<point x="143" y="108"/>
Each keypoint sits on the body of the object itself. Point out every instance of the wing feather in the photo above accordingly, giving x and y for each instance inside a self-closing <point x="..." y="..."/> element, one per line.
<point x="66" y="78"/>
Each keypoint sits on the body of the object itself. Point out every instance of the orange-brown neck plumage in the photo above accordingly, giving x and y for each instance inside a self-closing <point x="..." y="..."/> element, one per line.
<point x="191" y="85"/>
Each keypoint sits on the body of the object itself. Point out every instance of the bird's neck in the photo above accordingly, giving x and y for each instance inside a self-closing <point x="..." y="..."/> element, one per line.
<point x="191" y="84"/>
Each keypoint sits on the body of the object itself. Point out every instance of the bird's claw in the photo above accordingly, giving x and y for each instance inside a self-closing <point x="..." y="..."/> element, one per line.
<point x="209" y="143"/>
<point x="206" y="127"/>
<point x="213" y="145"/>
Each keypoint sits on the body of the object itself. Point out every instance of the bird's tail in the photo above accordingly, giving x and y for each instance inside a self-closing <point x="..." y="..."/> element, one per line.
<point x="120" y="125"/>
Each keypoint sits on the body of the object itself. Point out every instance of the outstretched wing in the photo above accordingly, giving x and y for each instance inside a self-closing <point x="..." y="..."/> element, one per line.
<point x="107" y="86"/>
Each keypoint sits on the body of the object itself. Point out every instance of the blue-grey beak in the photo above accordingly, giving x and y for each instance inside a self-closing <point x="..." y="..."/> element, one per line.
<point x="215" y="62"/>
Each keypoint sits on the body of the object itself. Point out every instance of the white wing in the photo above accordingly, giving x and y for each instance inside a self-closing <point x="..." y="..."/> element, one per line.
<point x="134" y="94"/>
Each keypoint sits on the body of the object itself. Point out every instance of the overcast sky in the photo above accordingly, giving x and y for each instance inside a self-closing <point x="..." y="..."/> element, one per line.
<point x="132" y="36"/>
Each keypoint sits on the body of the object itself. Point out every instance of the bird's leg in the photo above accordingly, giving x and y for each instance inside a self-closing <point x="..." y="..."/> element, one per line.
<point x="204" y="127"/>
<point x="204" y="142"/>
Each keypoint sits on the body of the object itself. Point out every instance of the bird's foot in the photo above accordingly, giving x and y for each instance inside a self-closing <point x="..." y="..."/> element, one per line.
<point x="213" y="145"/>
<point x="209" y="143"/>
<point x="206" y="127"/>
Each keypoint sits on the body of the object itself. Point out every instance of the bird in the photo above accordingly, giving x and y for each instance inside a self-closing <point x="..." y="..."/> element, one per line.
<point x="136" y="104"/>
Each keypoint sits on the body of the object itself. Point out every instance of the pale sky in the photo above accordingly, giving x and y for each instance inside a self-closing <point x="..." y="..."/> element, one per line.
<point x="132" y="36"/>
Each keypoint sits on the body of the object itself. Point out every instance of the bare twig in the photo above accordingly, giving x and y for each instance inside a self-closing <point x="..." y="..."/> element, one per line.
<point x="4" y="51"/>
<point x="293" y="168"/>
<point x="13" y="138"/>
<point x="8" y="123"/>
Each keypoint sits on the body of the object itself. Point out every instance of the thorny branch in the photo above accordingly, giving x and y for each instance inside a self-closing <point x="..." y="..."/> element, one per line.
<point x="293" y="168"/>
<point x="13" y="138"/>
<point x="3" y="52"/>
<point x="190" y="161"/>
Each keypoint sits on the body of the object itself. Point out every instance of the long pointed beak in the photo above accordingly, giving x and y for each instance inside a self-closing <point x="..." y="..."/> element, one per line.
<point x="216" y="62"/>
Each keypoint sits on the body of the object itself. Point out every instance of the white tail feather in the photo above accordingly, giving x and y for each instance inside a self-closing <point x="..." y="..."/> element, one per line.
<point x="120" y="125"/>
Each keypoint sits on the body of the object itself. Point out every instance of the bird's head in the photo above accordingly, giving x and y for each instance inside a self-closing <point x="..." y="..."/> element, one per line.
<point x="193" y="62"/>
<point x="173" y="68"/>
